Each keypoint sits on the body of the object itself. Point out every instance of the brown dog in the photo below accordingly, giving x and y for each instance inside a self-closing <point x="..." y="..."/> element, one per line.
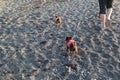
<point x="58" y="20"/>
<point x="71" y="46"/>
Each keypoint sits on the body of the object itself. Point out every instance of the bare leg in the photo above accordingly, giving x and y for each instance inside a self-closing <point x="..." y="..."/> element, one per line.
<point x="102" y="20"/>
<point x="109" y="12"/>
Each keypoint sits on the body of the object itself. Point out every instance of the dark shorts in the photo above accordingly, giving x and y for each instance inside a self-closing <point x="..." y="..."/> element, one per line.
<point x="105" y="4"/>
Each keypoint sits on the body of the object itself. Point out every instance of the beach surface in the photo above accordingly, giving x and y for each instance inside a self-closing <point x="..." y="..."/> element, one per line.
<point x="32" y="46"/>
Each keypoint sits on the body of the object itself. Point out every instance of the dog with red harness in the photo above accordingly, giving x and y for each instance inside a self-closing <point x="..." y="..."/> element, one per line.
<point x="71" y="46"/>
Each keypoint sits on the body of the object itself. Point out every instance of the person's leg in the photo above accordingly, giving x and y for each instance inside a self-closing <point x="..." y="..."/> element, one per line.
<point x="109" y="12"/>
<point x="102" y="20"/>
<point x="102" y="5"/>
<point x="109" y="8"/>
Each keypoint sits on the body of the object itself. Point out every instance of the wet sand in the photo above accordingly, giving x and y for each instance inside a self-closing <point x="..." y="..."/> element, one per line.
<point x="32" y="47"/>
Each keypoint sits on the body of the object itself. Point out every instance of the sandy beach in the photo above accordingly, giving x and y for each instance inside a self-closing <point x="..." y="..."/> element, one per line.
<point x="32" y="46"/>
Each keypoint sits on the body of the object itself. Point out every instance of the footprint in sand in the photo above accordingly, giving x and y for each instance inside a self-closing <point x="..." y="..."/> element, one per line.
<point x="2" y="52"/>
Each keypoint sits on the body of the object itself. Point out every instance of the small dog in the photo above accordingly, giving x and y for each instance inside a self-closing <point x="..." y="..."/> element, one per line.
<point x="71" y="46"/>
<point x="58" y="20"/>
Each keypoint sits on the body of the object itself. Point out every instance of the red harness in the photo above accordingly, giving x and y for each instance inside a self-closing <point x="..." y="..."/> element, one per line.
<point x="69" y="42"/>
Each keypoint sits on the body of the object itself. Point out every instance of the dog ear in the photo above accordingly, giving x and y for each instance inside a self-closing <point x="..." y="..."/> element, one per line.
<point x="57" y="16"/>
<point x="68" y="38"/>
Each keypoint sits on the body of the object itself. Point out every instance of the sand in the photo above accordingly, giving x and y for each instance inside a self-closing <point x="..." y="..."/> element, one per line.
<point x="32" y="47"/>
